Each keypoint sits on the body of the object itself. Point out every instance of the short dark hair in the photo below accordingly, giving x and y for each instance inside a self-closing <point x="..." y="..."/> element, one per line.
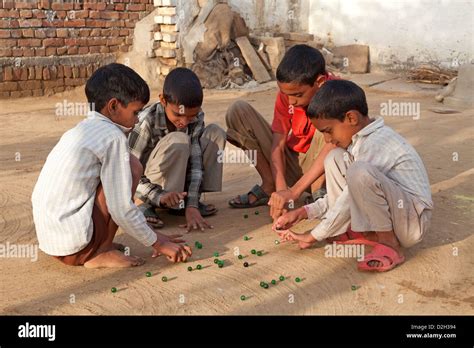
<point x="335" y="98"/>
<point x="182" y="87"/>
<point x="116" y="81"/>
<point x="301" y="64"/>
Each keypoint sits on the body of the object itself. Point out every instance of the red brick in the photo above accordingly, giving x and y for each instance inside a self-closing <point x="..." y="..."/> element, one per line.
<point x="26" y="23"/>
<point x="20" y="74"/>
<point x="60" y="14"/>
<point x="38" y="72"/>
<point x="67" y="71"/>
<point x="39" y="14"/>
<point x="31" y="73"/>
<point x="27" y="33"/>
<point x="61" y="51"/>
<point x="38" y="93"/>
<point x="84" y="32"/>
<point x="44" y="4"/>
<point x="136" y="7"/>
<point x="53" y="42"/>
<point x="62" y="6"/>
<point x="4" y="34"/>
<point x="72" y="50"/>
<point x="114" y="23"/>
<point x="78" y="14"/>
<point x="124" y="15"/>
<point x="28" y="85"/>
<point x="119" y="7"/>
<point x="15" y="33"/>
<point x="50" y="51"/>
<point x="94" y="49"/>
<point x="83" y="50"/>
<point x="99" y="6"/>
<point x="114" y="32"/>
<point x="62" y="32"/>
<point x="124" y="32"/>
<point x="29" y="42"/>
<point x="96" y="42"/>
<point x="40" y="52"/>
<point x="8" y="23"/>
<point x="95" y="32"/>
<point x="5" y="52"/>
<point x="104" y="49"/>
<point x="46" y="74"/>
<point x="7" y="43"/>
<point x="75" y="72"/>
<point x="113" y="49"/>
<point x="8" y="86"/>
<point x="115" y="41"/>
<point x="26" y="14"/>
<point x="72" y="23"/>
<point x="109" y="15"/>
<point x="25" y="4"/>
<point x="95" y="23"/>
<point x="27" y="52"/>
<point x="8" y="73"/>
<point x="9" y="14"/>
<point x="39" y="33"/>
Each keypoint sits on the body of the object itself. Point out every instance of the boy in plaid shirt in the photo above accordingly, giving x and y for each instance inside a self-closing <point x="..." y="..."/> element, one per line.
<point x="179" y="153"/>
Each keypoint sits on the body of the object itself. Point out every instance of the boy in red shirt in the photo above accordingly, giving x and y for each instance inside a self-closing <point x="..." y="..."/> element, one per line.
<point x="290" y="153"/>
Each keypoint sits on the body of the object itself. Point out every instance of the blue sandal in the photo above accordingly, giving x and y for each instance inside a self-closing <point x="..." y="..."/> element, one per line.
<point x="262" y="199"/>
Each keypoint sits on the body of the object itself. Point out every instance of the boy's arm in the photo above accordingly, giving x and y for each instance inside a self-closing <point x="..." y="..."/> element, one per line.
<point x="194" y="174"/>
<point x="337" y="216"/>
<point x="116" y="179"/>
<point x="314" y="172"/>
<point x="278" y="163"/>
<point x="139" y="139"/>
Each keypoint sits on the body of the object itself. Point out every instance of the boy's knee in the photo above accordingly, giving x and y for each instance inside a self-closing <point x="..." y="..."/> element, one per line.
<point x="214" y="133"/>
<point x="360" y="174"/>
<point x="334" y="156"/>
<point x="136" y="166"/>
<point x="235" y="111"/>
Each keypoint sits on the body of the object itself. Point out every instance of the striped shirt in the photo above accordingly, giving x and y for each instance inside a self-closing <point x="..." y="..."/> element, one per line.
<point x="390" y="153"/>
<point x="146" y="135"/>
<point x="94" y="151"/>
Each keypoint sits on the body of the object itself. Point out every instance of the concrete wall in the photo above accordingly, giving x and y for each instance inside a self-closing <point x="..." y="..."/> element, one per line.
<point x="400" y="33"/>
<point x="273" y="15"/>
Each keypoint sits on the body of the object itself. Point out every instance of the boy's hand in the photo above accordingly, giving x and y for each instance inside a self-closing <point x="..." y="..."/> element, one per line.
<point x="304" y="240"/>
<point x="278" y="201"/>
<point x="290" y="219"/>
<point x="174" y="251"/>
<point x="171" y="199"/>
<point x="194" y="220"/>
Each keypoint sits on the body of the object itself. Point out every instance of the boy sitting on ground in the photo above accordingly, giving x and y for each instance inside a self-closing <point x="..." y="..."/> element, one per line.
<point x="84" y="191"/>
<point x="179" y="153"/>
<point x="290" y="152"/>
<point x="376" y="183"/>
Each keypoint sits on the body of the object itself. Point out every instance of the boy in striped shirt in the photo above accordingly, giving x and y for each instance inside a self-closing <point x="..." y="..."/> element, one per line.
<point x="378" y="193"/>
<point x="84" y="191"/>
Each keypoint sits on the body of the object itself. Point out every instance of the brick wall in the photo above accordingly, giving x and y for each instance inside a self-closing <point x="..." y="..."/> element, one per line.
<point x="49" y="46"/>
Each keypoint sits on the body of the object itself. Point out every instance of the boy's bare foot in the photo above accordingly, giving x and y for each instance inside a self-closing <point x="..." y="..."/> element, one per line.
<point x="113" y="259"/>
<point x="387" y="238"/>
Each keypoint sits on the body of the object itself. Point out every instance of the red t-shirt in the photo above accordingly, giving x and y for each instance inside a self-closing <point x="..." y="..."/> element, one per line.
<point x="298" y="125"/>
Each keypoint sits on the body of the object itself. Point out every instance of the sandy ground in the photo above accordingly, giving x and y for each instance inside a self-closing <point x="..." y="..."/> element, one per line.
<point x="436" y="279"/>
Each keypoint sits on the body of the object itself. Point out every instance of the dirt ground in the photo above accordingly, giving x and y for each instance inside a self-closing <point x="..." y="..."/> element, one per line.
<point x="435" y="279"/>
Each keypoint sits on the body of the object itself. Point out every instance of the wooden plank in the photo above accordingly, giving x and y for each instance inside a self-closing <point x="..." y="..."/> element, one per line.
<point x="259" y="71"/>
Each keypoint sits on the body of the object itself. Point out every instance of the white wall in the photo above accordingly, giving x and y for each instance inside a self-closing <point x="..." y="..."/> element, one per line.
<point x="273" y="15"/>
<point x="399" y="32"/>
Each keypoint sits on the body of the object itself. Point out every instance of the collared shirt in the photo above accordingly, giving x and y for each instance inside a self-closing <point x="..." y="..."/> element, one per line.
<point x="146" y="135"/>
<point x="93" y="152"/>
<point x="293" y="122"/>
<point x="390" y="153"/>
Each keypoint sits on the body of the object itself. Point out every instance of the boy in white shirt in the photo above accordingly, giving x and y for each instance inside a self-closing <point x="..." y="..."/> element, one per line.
<point x="84" y="191"/>
<point x="376" y="183"/>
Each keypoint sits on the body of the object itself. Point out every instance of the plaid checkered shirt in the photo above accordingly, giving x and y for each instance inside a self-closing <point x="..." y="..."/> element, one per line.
<point x="146" y="135"/>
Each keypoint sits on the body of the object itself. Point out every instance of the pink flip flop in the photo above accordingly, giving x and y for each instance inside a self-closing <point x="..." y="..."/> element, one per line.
<point x="388" y="256"/>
